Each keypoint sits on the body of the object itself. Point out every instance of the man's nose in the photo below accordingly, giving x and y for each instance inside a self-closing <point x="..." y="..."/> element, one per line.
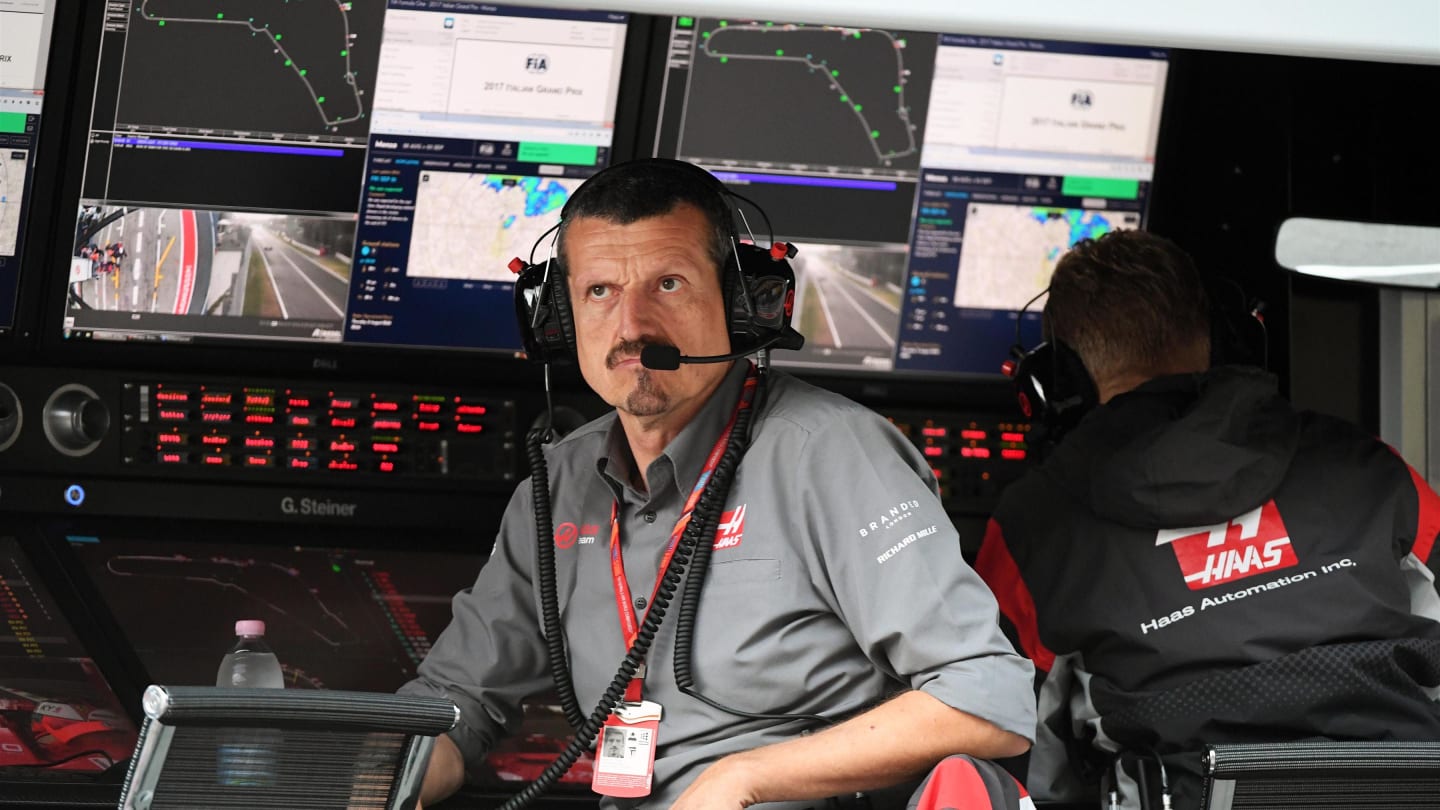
<point x="638" y="314"/>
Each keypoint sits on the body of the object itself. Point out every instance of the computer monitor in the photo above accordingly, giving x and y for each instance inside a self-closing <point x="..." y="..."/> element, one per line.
<point x="25" y="28"/>
<point x="930" y="181"/>
<point x="58" y="713"/>
<point x="331" y="173"/>
<point x="337" y="618"/>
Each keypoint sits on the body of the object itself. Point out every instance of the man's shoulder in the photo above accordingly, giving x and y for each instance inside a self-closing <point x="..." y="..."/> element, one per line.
<point x="1328" y="444"/>
<point x="795" y="403"/>
<point x="584" y="441"/>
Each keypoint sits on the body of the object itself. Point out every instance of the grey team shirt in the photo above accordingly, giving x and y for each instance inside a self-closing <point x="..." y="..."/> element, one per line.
<point x="839" y="584"/>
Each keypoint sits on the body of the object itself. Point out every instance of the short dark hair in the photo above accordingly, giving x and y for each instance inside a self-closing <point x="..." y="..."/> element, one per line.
<point x="641" y="189"/>
<point x="1130" y="301"/>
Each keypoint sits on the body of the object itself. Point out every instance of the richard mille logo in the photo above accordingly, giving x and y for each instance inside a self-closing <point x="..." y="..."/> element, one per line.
<point x="316" y="507"/>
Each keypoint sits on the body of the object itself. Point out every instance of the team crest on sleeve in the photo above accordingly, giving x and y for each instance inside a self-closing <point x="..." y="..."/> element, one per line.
<point x="1256" y="542"/>
<point x="731" y="529"/>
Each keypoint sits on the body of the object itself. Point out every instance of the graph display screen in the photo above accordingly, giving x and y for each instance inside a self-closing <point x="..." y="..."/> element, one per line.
<point x="57" y="711"/>
<point x="336" y="618"/>
<point x="930" y="181"/>
<point x="329" y="172"/>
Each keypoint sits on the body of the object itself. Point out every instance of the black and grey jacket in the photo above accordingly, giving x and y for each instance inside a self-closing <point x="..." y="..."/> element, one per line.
<point x="1199" y="562"/>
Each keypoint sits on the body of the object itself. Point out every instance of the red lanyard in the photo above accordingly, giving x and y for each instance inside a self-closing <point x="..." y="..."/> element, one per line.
<point x="628" y="626"/>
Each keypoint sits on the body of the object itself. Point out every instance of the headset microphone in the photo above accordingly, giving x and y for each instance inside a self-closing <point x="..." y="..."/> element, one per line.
<point x="669" y="358"/>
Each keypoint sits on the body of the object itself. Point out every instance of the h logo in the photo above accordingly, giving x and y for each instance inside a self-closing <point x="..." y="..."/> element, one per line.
<point x="1253" y="543"/>
<point x="731" y="529"/>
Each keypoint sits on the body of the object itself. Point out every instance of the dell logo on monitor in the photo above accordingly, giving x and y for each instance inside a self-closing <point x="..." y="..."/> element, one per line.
<point x="537" y="63"/>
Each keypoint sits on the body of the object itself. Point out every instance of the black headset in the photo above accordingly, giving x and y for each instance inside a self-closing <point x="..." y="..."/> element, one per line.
<point x="1052" y="384"/>
<point x="1055" y="389"/>
<point x="758" y="284"/>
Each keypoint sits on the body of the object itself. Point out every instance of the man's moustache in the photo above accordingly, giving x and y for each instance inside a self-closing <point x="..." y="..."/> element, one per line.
<point x="630" y="350"/>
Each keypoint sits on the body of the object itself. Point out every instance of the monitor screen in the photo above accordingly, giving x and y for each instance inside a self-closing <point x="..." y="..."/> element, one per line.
<point x="332" y="172"/>
<point x="930" y="181"/>
<point x="57" y="711"/>
<point x="25" y="27"/>
<point x="337" y="618"/>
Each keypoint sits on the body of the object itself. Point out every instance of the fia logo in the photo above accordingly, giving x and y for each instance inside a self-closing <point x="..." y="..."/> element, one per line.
<point x="731" y="529"/>
<point x="1253" y="543"/>
<point x="537" y="63"/>
<point x="1082" y="99"/>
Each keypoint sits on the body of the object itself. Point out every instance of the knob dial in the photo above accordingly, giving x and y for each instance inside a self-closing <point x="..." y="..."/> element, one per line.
<point x="76" y="419"/>
<point x="12" y="416"/>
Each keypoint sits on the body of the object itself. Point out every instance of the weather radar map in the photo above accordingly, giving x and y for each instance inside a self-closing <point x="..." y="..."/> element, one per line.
<point x="790" y="94"/>
<point x="1010" y="251"/>
<point x="12" y="189"/>
<point x="469" y="226"/>
<point x="300" y="67"/>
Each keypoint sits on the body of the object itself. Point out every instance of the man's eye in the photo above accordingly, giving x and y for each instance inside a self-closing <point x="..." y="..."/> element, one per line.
<point x="669" y="284"/>
<point x="599" y="291"/>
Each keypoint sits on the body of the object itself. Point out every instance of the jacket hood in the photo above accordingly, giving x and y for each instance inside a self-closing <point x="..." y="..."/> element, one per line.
<point x="1186" y="450"/>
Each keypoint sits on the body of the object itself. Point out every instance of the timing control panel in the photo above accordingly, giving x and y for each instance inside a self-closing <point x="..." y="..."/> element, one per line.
<point x="318" y="431"/>
<point x="973" y="456"/>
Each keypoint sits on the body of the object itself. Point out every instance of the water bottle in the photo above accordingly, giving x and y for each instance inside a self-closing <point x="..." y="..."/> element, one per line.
<point x="250" y="662"/>
<point x="246" y="757"/>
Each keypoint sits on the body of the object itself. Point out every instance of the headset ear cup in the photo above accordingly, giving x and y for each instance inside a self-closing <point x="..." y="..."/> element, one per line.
<point x="542" y="310"/>
<point x="732" y="287"/>
<point x="1075" y="393"/>
<point x="1054" y="388"/>
<point x="1033" y="377"/>
<point x="564" y="316"/>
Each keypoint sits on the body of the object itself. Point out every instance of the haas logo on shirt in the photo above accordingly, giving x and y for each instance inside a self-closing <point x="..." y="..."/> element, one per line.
<point x="1253" y="543"/>
<point x="732" y="528"/>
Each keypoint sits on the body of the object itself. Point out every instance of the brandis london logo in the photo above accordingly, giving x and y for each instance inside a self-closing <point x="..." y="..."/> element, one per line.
<point x="1253" y="543"/>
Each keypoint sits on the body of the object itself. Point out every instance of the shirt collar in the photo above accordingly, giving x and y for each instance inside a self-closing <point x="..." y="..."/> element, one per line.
<point x="687" y="452"/>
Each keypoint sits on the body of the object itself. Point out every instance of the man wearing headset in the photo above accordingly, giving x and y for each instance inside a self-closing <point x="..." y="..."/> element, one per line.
<point x="836" y="600"/>
<point x="1197" y="562"/>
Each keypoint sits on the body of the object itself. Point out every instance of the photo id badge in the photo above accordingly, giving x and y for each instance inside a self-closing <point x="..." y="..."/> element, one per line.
<point x="625" y="751"/>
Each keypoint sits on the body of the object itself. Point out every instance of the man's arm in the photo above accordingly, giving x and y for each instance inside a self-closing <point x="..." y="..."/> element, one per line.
<point x="445" y="773"/>
<point x="895" y="741"/>
<point x="488" y="658"/>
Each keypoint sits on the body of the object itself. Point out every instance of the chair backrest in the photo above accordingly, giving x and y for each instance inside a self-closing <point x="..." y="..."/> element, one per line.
<point x="1394" y="775"/>
<point x="213" y="747"/>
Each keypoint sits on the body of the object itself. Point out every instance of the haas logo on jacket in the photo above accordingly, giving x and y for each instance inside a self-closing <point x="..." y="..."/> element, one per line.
<point x="732" y="528"/>
<point x="1253" y="543"/>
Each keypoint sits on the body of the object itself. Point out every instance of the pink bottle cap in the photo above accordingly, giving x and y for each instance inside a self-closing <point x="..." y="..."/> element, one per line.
<point x="249" y="627"/>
